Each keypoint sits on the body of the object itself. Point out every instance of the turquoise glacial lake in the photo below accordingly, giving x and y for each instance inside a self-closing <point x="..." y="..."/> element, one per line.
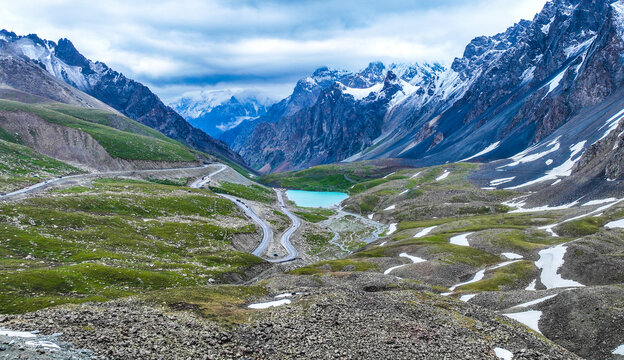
<point x="315" y="198"/>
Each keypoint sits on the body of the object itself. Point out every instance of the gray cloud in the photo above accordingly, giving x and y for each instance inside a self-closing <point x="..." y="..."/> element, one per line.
<point x="187" y="45"/>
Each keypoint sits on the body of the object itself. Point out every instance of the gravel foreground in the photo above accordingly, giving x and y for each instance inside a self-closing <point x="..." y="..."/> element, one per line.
<point x="320" y="323"/>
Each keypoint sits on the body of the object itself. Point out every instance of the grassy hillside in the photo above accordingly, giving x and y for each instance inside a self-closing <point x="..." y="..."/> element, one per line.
<point x="110" y="119"/>
<point x="20" y="166"/>
<point x="334" y="177"/>
<point x="115" y="238"/>
<point x="146" y="144"/>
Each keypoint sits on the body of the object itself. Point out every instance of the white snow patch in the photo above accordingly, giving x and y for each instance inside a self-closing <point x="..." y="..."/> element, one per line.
<point x="407" y="89"/>
<point x="536" y="301"/>
<point x="599" y="201"/>
<point x="461" y="240"/>
<point x="425" y="231"/>
<point x="359" y="94"/>
<point x="599" y="210"/>
<point x="503" y="354"/>
<point x="564" y="169"/>
<point x="520" y="209"/>
<point x="611" y="124"/>
<point x="502" y="264"/>
<point x="549" y="229"/>
<point x="617" y="224"/>
<point x="444" y="175"/>
<point x="618" y="6"/>
<point x="466" y="298"/>
<point x="511" y="256"/>
<point x="387" y="176"/>
<point x="383" y="243"/>
<point x="391" y="207"/>
<point x="284" y="295"/>
<point x="389" y="270"/>
<point x="554" y="83"/>
<point x="481" y="274"/>
<point x="546" y="28"/>
<point x="531" y="286"/>
<point x="578" y="48"/>
<point x="392" y="228"/>
<point x="414" y="259"/>
<point x="404" y="192"/>
<point x="488" y="149"/>
<point x="550" y="261"/>
<point x="477" y="277"/>
<point x="529" y="318"/>
<point x="522" y="157"/>
<point x="22" y="334"/>
<point x="528" y="75"/>
<point x="501" y="181"/>
<point x="549" y="162"/>
<point x="370" y="216"/>
<point x="618" y="350"/>
<point x="269" y="304"/>
<point x="44" y="344"/>
<point x="415" y="175"/>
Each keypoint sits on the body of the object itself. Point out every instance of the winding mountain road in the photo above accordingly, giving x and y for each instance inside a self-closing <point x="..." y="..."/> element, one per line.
<point x="267" y="233"/>
<point x="296" y="223"/>
<point x="70" y="178"/>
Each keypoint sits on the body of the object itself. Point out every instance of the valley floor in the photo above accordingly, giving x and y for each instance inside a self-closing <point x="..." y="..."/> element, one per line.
<point x="417" y="264"/>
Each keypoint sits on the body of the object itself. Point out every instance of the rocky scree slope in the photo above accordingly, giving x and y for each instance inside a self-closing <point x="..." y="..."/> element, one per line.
<point x="322" y="321"/>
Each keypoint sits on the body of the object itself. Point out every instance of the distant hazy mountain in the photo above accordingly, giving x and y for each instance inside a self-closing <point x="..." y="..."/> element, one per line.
<point x="129" y="97"/>
<point x="218" y="111"/>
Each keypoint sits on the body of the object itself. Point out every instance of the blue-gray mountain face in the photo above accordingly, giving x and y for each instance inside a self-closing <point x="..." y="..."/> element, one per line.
<point x="329" y="116"/>
<point x="129" y="97"/>
<point x="214" y="115"/>
<point x="507" y="93"/>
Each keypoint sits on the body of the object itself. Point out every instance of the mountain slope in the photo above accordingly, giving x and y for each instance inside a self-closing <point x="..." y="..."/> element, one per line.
<point x="507" y="93"/>
<point x="514" y="89"/>
<point x="330" y="116"/>
<point x="45" y="117"/>
<point x="130" y="97"/>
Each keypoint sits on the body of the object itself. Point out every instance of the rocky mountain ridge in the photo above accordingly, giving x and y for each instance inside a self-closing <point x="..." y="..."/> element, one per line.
<point x="377" y="86"/>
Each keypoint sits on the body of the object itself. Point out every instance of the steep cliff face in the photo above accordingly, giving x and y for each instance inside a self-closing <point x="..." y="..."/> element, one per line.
<point x="129" y="97"/>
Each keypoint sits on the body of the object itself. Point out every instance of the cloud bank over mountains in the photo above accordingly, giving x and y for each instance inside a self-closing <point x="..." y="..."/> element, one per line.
<point x="265" y="46"/>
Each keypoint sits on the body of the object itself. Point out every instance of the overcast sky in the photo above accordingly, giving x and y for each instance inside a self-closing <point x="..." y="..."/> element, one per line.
<point x="181" y="46"/>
